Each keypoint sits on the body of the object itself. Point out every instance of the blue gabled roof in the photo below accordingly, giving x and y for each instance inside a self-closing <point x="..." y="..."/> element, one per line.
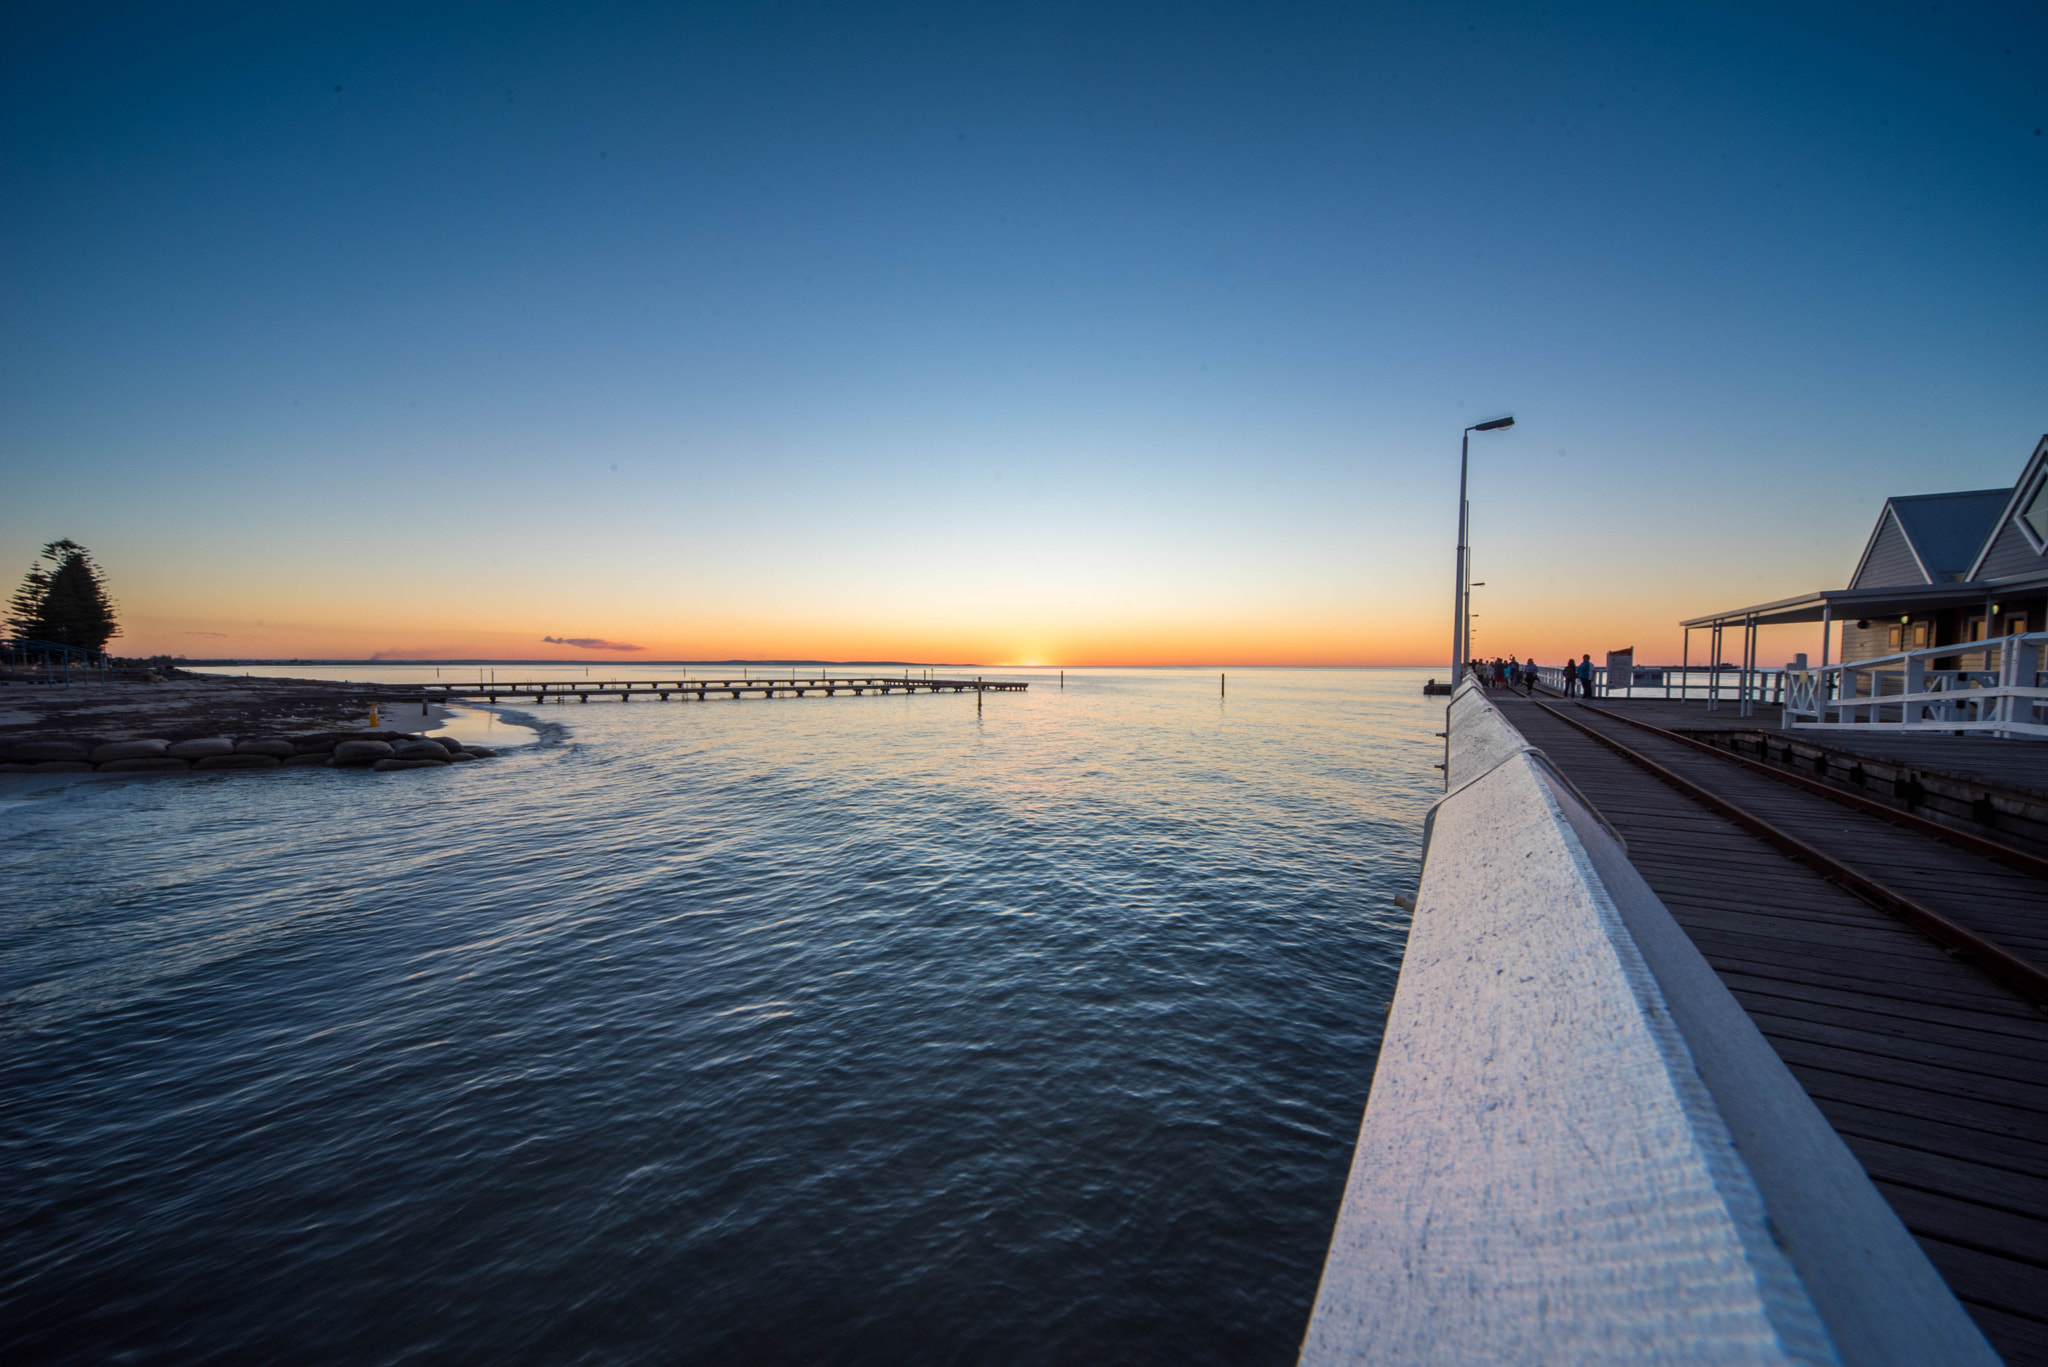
<point x="1948" y="530"/>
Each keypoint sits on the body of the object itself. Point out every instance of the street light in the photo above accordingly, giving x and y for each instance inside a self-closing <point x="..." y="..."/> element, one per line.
<point x="1461" y="600"/>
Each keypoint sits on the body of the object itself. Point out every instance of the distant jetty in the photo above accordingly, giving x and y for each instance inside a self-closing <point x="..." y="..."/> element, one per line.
<point x="703" y="690"/>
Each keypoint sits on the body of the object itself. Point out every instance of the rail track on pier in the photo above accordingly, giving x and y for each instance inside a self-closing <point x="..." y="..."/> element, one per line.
<point x="2016" y="968"/>
<point x="1896" y="971"/>
<point x="706" y="690"/>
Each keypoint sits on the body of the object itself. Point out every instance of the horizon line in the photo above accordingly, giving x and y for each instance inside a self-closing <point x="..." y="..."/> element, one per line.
<point x="646" y="664"/>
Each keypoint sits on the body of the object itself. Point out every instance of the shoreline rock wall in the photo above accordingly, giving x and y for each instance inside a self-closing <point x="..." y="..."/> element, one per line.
<point x="379" y="751"/>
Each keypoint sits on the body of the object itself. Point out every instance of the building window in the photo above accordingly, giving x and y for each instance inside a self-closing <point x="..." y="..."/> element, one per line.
<point x="1895" y="637"/>
<point x="2036" y="515"/>
<point x="1920" y="635"/>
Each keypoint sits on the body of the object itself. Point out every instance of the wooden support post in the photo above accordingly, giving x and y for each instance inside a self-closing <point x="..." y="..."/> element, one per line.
<point x="1747" y="702"/>
<point x="1714" y="674"/>
<point x="1222" y="685"/>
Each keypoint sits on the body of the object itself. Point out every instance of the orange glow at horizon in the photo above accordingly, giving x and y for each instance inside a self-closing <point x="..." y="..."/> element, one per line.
<point x="1403" y="639"/>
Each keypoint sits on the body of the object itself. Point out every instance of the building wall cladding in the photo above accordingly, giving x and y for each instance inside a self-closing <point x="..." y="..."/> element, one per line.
<point x="2010" y="554"/>
<point x="1891" y="561"/>
<point x="1861" y="643"/>
<point x="1948" y="626"/>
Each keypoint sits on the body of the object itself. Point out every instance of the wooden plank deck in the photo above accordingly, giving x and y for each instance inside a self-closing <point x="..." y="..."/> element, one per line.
<point x="1986" y="786"/>
<point x="1933" y="1071"/>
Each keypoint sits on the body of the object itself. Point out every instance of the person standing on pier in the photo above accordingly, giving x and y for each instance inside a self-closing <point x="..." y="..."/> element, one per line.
<point x="1571" y="677"/>
<point x="1529" y="678"/>
<point x="1586" y="677"/>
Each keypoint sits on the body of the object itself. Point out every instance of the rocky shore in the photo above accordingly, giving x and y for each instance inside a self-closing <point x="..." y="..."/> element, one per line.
<point x="210" y="723"/>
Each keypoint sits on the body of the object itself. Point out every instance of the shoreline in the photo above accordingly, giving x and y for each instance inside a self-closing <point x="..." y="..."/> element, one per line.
<point x="200" y="723"/>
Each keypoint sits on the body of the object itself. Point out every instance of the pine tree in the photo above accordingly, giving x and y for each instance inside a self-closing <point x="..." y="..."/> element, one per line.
<point x="65" y="605"/>
<point x="26" y="608"/>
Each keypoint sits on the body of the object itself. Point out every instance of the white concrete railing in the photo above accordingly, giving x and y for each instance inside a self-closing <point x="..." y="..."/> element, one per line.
<point x="1901" y="693"/>
<point x="1578" y="1148"/>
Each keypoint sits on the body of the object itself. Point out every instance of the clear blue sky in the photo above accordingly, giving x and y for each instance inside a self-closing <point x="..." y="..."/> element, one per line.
<point x="1090" y="332"/>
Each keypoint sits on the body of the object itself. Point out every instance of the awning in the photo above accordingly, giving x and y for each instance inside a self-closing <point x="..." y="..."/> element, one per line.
<point x="1897" y="601"/>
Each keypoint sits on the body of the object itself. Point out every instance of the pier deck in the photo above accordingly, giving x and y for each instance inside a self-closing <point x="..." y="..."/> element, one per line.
<point x="1934" y="1071"/>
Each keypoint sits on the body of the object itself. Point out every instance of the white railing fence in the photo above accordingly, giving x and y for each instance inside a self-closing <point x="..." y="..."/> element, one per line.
<point x="2007" y="697"/>
<point x="1679" y="683"/>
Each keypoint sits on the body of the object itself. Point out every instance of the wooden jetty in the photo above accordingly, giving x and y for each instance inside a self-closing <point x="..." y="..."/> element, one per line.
<point x="704" y="690"/>
<point x="1926" y="1050"/>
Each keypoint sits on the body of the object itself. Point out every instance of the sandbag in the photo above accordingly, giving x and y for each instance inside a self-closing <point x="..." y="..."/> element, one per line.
<point x="361" y="752"/>
<point x="130" y="749"/>
<point x="420" y="749"/>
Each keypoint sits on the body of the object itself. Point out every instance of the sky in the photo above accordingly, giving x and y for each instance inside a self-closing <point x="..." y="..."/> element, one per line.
<point x="1065" y="334"/>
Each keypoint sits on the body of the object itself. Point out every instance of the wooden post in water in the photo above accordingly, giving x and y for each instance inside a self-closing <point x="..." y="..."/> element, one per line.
<point x="1222" y="685"/>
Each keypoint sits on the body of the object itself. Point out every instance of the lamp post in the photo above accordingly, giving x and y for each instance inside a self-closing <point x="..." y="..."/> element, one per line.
<point x="1461" y="594"/>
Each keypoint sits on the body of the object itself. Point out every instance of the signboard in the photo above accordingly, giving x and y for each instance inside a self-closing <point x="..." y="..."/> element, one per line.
<point x="1621" y="669"/>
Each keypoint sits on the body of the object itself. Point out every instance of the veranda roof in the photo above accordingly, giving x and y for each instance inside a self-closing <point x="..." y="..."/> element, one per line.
<point x="1878" y="602"/>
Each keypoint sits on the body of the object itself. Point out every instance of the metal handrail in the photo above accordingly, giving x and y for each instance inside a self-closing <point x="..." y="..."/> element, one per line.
<point x="1676" y="683"/>
<point x="25" y="653"/>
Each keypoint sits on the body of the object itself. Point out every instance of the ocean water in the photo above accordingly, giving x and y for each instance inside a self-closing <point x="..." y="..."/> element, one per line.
<point x="808" y="1031"/>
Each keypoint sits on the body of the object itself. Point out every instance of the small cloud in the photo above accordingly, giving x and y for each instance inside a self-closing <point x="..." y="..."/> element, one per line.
<point x="589" y="643"/>
<point x="202" y="633"/>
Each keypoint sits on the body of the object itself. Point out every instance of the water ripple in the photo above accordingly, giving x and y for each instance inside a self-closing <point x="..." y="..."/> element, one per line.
<point x="856" y="1030"/>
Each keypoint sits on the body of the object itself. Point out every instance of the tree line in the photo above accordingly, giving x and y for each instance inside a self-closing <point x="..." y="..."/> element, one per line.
<point x="63" y="600"/>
